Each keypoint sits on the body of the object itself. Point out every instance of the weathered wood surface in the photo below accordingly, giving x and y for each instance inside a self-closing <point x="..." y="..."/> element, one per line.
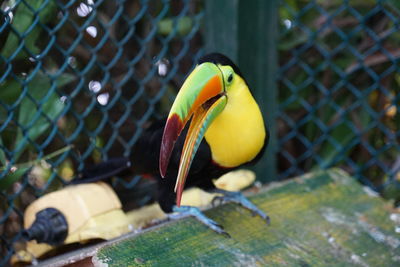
<point x="322" y="219"/>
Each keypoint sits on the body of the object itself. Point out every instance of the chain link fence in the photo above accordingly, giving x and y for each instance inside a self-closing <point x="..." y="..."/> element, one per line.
<point x="78" y="82"/>
<point x="80" y="79"/>
<point x="339" y="87"/>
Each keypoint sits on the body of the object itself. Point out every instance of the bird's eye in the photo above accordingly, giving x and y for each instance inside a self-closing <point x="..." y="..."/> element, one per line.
<point x="230" y="78"/>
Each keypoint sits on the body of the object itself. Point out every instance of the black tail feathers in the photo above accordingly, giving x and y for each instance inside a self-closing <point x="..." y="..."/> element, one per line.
<point x="103" y="170"/>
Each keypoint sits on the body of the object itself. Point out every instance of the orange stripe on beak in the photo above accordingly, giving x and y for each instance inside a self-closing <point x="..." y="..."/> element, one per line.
<point x="211" y="89"/>
<point x="204" y="83"/>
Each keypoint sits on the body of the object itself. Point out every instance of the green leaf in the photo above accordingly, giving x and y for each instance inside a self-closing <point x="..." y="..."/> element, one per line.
<point x="292" y="39"/>
<point x="331" y="153"/>
<point x="38" y="88"/>
<point x="33" y="112"/>
<point x="8" y="180"/>
<point x="342" y="135"/>
<point x="183" y="25"/>
<point x="22" y="21"/>
<point x="9" y="91"/>
<point x="65" y="79"/>
<point x="301" y="93"/>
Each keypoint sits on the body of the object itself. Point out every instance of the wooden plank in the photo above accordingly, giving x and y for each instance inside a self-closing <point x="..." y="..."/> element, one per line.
<point x="322" y="219"/>
<point x="247" y="32"/>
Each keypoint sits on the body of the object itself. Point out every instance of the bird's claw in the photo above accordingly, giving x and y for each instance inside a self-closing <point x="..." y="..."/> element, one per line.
<point x="217" y="200"/>
<point x="195" y="212"/>
<point x="239" y="198"/>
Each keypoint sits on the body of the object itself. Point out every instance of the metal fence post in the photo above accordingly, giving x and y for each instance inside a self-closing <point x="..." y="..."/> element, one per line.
<point x="247" y="32"/>
<point x="221" y="27"/>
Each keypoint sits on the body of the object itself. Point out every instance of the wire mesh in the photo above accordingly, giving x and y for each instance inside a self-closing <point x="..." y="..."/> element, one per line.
<point x="78" y="82"/>
<point x="339" y="89"/>
<point x="79" y="79"/>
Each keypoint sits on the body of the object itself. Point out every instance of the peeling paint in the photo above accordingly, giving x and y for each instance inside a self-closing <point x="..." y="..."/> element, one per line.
<point x="298" y="248"/>
<point x="340" y="176"/>
<point x="357" y="260"/>
<point x="333" y="216"/>
<point x="342" y="252"/>
<point x="242" y="258"/>
<point x="103" y="262"/>
<point x="336" y="217"/>
<point x="293" y="256"/>
<point x="395" y="217"/>
<point x="198" y="264"/>
<point x="378" y="235"/>
<point x="396" y="258"/>
<point x="370" y="192"/>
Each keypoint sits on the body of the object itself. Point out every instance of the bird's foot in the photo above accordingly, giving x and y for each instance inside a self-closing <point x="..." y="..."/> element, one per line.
<point x="240" y="199"/>
<point x="196" y="212"/>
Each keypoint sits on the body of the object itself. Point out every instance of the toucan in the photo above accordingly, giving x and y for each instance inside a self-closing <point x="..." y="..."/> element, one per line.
<point x="214" y="126"/>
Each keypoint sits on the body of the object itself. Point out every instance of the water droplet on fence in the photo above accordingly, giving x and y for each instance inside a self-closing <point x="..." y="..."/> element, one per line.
<point x="288" y="24"/>
<point x="92" y="31"/>
<point x="9" y="14"/>
<point x="103" y="99"/>
<point x="94" y="86"/>
<point x="83" y="10"/>
<point x="72" y="62"/>
<point x="163" y="66"/>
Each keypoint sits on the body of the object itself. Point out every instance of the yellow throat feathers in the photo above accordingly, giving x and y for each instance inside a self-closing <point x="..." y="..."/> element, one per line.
<point x="237" y="135"/>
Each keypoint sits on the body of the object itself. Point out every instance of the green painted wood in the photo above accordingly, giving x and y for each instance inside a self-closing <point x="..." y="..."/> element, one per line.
<point x="322" y="219"/>
<point x="221" y="27"/>
<point x="247" y="32"/>
<point x="258" y="31"/>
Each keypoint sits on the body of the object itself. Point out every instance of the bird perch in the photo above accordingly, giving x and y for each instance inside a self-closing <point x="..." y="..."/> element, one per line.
<point x="323" y="218"/>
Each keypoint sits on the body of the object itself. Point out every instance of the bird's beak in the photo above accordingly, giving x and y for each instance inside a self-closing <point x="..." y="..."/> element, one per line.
<point x="201" y="98"/>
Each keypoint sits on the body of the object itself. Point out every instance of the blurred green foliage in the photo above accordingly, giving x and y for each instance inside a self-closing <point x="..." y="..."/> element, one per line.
<point x="78" y="81"/>
<point x="26" y="25"/>
<point x="30" y="102"/>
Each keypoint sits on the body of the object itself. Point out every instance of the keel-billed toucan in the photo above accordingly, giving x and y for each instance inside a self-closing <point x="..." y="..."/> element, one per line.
<point x="213" y="127"/>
